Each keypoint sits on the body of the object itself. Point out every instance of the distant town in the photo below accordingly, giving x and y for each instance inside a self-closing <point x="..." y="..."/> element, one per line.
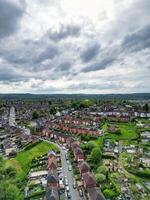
<point x="74" y="148"/>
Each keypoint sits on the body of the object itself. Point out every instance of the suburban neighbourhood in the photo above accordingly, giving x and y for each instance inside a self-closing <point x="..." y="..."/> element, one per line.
<point x="76" y="151"/>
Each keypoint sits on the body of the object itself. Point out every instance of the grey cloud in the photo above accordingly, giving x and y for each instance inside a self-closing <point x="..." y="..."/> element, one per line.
<point x="96" y="86"/>
<point x="47" y="54"/>
<point x="64" y="66"/>
<point x="138" y="40"/>
<point x="90" y="53"/>
<point x="10" y="14"/>
<point x="64" y="32"/>
<point x="99" y="65"/>
<point x="8" y="74"/>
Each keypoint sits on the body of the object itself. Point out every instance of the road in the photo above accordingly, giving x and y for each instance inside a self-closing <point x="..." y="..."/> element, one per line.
<point x="12" y="119"/>
<point x="74" y="192"/>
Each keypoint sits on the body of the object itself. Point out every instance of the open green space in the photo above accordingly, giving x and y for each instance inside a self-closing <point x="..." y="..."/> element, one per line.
<point x="128" y="131"/>
<point x="23" y="159"/>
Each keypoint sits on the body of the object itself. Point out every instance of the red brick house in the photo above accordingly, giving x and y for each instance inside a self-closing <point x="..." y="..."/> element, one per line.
<point x="84" y="168"/>
<point x="88" y="180"/>
<point x="52" y="181"/>
<point x="95" y="194"/>
<point x="78" y="154"/>
<point x="52" y="164"/>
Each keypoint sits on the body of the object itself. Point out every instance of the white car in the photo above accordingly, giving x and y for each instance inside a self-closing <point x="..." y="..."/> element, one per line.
<point x="67" y="188"/>
<point x="69" y="167"/>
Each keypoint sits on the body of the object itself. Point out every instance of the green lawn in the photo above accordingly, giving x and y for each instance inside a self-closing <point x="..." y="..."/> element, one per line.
<point x="128" y="131"/>
<point x="23" y="159"/>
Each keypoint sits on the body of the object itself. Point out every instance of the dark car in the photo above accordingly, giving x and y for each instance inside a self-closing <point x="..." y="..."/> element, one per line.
<point x="68" y="195"/>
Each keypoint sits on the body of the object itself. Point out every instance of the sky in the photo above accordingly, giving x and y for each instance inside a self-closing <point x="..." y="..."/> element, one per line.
<point x="74" y="46"/>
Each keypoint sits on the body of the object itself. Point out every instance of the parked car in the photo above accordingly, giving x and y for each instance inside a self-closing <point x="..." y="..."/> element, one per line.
<point x="68" y="195"/>
<point x="67" y="188"/>
<point x="80" y="192"/>
<point x="65" y="181"/>
<point x="60" y="176"/>
<point x="74" y="185"/>
<point x="68" y="162"/>
<point x="69" y="167"/>
<point x="66" y="156"/>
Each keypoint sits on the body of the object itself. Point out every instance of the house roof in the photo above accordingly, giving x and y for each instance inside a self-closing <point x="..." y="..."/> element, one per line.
<point x="95" y="194"/>
<point x="84" y="167"/>
<point x="89" y="179"/>
<point x="52" y="163"/>
<point x="52" y="194"/>
<point x="51" y="153"/>
<point x="78" y="151"/>
<point x="51" y="178"/>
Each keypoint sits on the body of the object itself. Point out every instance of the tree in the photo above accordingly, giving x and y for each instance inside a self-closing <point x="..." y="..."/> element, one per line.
<point x="9" y="191"/>
<point x="50" y="102"/>
<point x="146" y="107"/>
<point x="102" y="169"/>
<point x="100" y="178"/>
<point x="10" y="171"/>
<point x="95" y="155"/>
<point x="52" y="110"/>
<point x="35" y="115"/>
<point x="109" y="193"/>
<point x="91" y="145"/>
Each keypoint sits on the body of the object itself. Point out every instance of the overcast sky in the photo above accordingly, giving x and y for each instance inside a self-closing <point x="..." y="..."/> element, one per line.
<point x="74" y="46"/>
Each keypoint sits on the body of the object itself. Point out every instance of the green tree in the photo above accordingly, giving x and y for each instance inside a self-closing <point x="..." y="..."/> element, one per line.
<point x="35" y="115"/>
<point x="100" y="178"/>
<point x="52" y="110"/>
<point x="91" y="145"/>
<point x="146" y="107"/>
<point x="10" y="171"/>
<point x="95" y="156"/>
<point x="102" y="169"/>
<point x="9" y="191"/>
<point x="109" y="193"/>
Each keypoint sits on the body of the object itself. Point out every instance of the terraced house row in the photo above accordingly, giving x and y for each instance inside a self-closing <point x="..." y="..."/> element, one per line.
<point x="52" y="189"/>
<point x="87" y="177"/>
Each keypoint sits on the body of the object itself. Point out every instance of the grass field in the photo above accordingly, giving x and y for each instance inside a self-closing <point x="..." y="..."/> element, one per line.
<point x="23" y="159"/>
<point x="128" y="131"/>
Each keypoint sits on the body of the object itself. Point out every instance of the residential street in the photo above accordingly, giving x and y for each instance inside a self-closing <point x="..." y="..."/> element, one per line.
<point x="74" y="192"/>
<point x="12" y="121"/>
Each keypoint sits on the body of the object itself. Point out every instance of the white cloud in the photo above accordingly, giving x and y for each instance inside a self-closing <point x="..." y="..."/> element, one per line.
<point x="90" y="46"/>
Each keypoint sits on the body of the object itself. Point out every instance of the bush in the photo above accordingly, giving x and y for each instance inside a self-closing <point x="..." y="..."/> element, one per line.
<point x="109" y="193"/>
<point x="102" y="169"/>
<point x="9" y="191"/>
<point x="10" y="171"/>
<point x="100" y="178"/>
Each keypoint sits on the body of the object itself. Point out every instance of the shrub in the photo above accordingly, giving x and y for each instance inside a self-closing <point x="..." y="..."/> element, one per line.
<point x="109" y="193"/>
<point x="102" y="169"/>
<point x="100" y="178"/>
